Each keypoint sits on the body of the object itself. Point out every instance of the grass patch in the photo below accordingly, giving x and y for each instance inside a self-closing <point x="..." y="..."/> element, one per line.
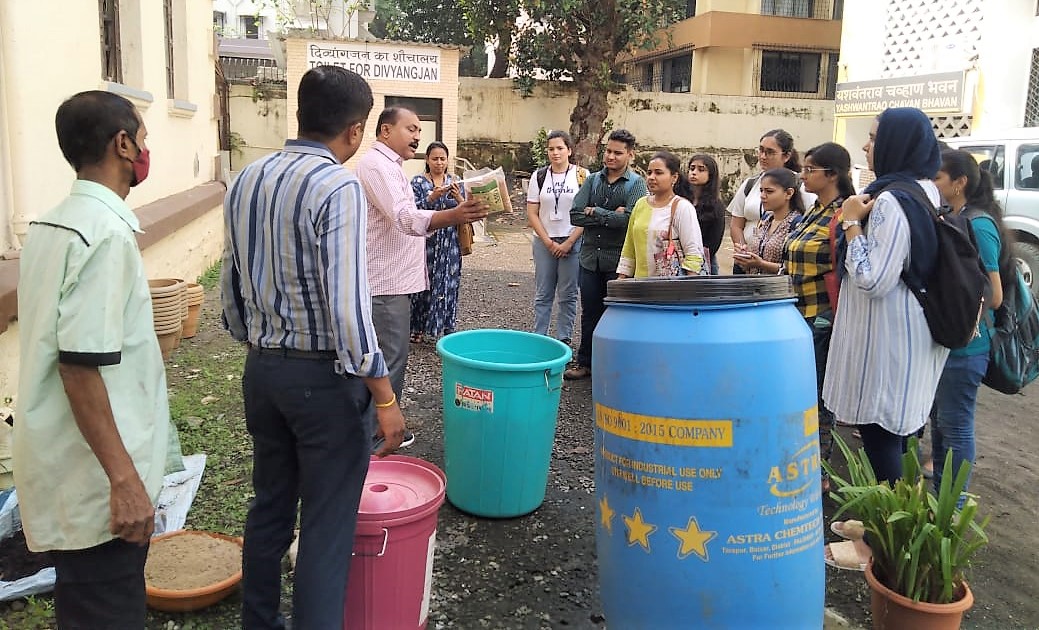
<point x="210" y="278"/>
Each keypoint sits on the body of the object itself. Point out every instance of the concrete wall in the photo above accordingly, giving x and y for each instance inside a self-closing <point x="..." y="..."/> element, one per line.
<point x="496" y="124"/>
<point x="491" y="109"/>
<point x="259" y="120"/>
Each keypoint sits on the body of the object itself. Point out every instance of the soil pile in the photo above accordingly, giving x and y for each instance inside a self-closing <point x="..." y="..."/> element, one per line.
<point x="191" y="561"/>
<point x="17" y="562"/>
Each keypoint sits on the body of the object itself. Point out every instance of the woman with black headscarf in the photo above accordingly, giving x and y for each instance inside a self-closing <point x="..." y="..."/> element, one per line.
<point x="883" y="365"/>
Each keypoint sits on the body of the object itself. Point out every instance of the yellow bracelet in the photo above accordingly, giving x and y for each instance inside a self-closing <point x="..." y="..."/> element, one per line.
<point x="388" y="403"/>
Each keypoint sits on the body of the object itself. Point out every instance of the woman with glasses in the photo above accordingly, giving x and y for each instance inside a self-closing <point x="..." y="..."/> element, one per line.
<point x="775" y="150"/>
<point x="808" y="261"/>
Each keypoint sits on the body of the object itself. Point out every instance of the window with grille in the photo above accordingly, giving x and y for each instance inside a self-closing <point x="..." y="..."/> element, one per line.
<point x="111" y="62"/>
<point x="647" y="77"/>
<point x="251" y="26"/>
<point x="167" y="14"/>
<point x="1032" y="98"/>
<point x="783" y="71"/>
<point x="219" y="22"/>
<point x="788" y="8"/>
<point x="677" y="73"/>
<point x="690" y="8"/>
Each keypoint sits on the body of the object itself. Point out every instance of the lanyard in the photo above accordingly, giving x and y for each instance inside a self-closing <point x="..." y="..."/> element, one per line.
<point x="557" y="193"/>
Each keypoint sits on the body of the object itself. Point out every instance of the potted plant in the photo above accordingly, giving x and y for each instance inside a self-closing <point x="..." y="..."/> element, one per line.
<point x="921" y="543"/>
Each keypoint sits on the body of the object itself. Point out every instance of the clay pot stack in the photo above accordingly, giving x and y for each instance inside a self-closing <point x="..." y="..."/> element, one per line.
<point x="169" y="309"/>
<point x="194" y="295"/>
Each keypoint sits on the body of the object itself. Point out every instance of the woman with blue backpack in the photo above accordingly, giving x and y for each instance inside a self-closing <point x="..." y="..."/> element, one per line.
<point x="967" y="190"/>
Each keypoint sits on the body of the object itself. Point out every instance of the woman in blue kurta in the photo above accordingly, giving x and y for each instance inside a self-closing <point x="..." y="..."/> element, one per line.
<point x="968" y="189"/>
<point x="434" y="311"/>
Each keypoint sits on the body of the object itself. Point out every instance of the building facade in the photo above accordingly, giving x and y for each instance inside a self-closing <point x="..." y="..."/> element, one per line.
<point x="159" y="55"/>
<point x="421" y="77"/>
<point x="972" y="65"/>
<point x="770" y="48"/>
<point x="256" y="19"/>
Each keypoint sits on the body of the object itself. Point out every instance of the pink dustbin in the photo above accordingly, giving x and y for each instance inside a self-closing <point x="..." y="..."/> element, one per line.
<point x="392" y="567"/>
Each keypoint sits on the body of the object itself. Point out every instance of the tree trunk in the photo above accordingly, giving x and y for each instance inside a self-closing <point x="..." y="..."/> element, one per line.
<point x="587" y="118"/>
<point x="502" y="53"/>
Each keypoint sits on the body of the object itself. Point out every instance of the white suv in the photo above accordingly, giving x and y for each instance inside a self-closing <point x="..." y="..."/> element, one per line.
<point x="1013" y="160"/>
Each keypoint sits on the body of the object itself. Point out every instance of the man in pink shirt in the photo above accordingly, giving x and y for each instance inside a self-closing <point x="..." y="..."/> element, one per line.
<point x="397" y="232"/>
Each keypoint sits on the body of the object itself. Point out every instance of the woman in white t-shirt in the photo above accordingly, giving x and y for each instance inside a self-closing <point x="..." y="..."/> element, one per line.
<point x="557" y="243"/>
<point x="665" y="214"/>
<point x="775" y="150"/>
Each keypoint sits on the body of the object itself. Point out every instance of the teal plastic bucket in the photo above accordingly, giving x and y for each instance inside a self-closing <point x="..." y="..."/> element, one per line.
<point x="501" y="399"/>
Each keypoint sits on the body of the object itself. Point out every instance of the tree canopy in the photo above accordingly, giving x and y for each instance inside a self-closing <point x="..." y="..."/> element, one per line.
<point x="580" y="40"/>
<point x="432" y="21"/>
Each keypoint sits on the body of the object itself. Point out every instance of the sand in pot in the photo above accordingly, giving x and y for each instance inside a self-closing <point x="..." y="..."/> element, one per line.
<point x="181" y="563"/>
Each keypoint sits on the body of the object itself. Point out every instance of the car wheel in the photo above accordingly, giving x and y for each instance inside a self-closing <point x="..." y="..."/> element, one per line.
<point x="1026" y="255"/>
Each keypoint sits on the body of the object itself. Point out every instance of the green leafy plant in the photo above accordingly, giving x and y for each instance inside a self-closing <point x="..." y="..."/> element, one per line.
<point x="922" y="543"/>
<point x="539" y="148"/>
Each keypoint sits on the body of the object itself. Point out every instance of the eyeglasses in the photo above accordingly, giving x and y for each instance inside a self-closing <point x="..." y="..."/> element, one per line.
<point x="809" y="169"/>
<point x="767" y="152"/>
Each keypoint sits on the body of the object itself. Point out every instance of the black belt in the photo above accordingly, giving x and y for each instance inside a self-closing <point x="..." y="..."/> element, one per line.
<point x="290" y="353"/>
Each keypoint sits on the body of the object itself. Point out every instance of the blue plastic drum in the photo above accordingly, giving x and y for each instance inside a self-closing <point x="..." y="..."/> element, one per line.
<point x="706" y="456"/>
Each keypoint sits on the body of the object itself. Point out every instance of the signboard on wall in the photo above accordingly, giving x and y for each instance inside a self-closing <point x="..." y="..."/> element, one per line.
<point x="386" y="62"/>
<point x="941" y="93"/>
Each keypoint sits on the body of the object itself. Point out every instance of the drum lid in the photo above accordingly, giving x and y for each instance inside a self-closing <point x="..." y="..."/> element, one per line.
<point x="701" y="290"/>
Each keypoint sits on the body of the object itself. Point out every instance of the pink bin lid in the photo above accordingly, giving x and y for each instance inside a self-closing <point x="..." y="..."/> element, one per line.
<point x="399" y="486"/>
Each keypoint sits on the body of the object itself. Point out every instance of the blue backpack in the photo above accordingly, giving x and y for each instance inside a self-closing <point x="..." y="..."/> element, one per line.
<point x="1014" y="355"/>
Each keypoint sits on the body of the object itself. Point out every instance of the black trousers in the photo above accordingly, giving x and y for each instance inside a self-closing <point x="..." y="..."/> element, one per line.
<point x="311" y="445"/>
<point x="100" y="588"/>
<point x="593" y="294"/>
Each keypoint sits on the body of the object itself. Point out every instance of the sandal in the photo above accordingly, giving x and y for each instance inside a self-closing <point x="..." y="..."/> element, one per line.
<point x="848" y="530"/>
<point x="847" y="555"/>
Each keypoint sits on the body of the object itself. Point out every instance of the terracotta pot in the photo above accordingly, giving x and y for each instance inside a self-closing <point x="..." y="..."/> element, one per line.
<point x="167" y="343"/>
<point x="191" y="321"/>
<point x="892" y="611"/>
<point x="166" y="309"/>
<point x="194" y="294"/>
<point x="165" y="286"/>
<point x="169" y="600"/>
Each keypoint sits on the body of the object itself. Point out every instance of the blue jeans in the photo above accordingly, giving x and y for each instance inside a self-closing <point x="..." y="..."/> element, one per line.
<point x="593" y="305"/>
<point x="884" y="450"/>
<point x="952" y="427"/>
<point x="555" y="280"/>
<point x="311" y="445"/>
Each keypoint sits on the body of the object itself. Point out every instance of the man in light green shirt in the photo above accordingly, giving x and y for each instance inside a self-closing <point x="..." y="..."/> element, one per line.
<point x="91" y="433"/>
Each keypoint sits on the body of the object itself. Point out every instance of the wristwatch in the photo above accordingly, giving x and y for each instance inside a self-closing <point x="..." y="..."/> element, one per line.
<point x="846" y="225"/>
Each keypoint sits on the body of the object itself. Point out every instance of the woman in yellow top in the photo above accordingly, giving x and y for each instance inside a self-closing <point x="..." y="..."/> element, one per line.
<point x="645" y="244"/>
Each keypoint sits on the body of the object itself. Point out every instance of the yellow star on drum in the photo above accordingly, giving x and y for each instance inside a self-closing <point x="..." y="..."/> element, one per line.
<point x="692" y="539"/>
<point x="606" y="514"/>
<point x="639" y="530"/>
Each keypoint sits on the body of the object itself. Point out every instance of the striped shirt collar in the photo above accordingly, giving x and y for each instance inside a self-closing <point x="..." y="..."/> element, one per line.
<point x="390" y="154"/>
<point x="310" y="147"/>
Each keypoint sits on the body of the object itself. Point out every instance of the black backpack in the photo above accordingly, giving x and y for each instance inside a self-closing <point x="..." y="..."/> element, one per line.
<point x="953" y="297"/>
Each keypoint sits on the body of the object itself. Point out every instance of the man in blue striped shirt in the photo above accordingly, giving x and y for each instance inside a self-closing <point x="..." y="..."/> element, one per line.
<point x="295" y="287"/>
